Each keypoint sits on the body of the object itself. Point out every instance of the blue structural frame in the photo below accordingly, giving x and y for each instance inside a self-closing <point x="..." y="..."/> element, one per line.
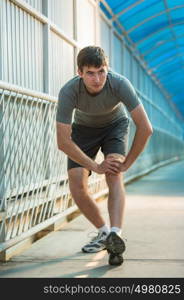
<point x="155" y="28"/>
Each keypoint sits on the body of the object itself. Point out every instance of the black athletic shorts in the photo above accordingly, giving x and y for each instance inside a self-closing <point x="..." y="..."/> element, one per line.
<point x="110" y="139"/>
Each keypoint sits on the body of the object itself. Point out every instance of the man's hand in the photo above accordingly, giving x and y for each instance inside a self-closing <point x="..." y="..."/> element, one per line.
<point x="108" y="166"/>
<point x="121" y="165"/>
<point x="113" y="164"/>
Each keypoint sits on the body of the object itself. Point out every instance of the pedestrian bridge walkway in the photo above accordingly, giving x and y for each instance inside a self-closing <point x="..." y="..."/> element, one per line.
<point x="153" y="229"/>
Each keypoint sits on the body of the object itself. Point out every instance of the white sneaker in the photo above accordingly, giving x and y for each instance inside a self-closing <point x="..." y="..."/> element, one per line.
<point x="96" y="244"/>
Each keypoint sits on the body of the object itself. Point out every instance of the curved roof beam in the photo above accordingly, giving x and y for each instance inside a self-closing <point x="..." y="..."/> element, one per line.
<point x="178" y="92"/>
<point x="167" y="73"/>
<point x="116" y="16"/>
<point x="179" y="78"/>
<point x="163" y="52"/>
<point x="165" y="61"/>
<point x="162" y="56"/>
<point x="156" y="31"/>
<point x="172" y="86"/>
<point x="154" y="16"/>
<point x="159" y="44"/>
<point x="174" y="64"/>
<point x="172" y="31"/>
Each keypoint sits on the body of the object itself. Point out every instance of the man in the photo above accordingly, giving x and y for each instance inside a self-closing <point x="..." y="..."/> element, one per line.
<point x="98" y="99"/>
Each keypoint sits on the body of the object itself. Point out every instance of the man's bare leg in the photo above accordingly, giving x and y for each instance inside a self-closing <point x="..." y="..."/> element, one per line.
<point x="116" y="203"/>
<point x="78" y="183"/>
<point x="116" y="199"/>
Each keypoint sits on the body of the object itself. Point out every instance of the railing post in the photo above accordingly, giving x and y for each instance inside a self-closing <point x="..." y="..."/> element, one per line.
<point x="1" y="42"/>
<point x="46" y="50"/>
<point x="3" y="212"/>
<point x="75" y="35"/>
<point x="2" y="233"/>
<point x="2" y="173"/>
<point x="46" y="79"/>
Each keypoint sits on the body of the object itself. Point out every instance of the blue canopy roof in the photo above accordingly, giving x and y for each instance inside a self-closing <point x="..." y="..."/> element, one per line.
<point x="156" y="29"/>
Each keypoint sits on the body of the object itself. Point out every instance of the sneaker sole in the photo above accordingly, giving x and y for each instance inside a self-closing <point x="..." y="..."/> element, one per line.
<point x="92" y="251"/>
<point x="117" y="260"/>
<point x="115" y="245"/>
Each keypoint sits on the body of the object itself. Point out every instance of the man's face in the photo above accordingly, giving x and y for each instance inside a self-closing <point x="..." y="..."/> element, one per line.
<point x="94" y="78"/>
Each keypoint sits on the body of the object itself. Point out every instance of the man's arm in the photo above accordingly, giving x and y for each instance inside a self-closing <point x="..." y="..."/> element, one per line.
<point x="66" y="145"/>
<point x="143" y="132"/>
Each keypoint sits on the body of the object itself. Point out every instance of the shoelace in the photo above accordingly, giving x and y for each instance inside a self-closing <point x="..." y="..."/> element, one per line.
<point x="97" y="235"/>
<point x="94" y="238"/>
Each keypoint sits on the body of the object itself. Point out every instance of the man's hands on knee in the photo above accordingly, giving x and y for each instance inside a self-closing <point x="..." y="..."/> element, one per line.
<point x="108" y="166"/>
<point x="119" y="160"/>
<point x="112" y="164"/>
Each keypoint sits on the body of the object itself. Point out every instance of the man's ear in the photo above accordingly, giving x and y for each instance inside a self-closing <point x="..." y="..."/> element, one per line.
<point x="107" y="68"/>
<point x="80" y="72"/>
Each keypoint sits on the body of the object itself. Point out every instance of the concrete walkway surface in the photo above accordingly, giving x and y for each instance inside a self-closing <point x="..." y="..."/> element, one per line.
<point x="153" y="229"/>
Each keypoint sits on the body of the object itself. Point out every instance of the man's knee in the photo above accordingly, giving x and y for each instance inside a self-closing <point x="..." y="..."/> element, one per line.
<point x="113" y="179"/>
<point x="77" y="181"/>
<point x="119" y="157"/>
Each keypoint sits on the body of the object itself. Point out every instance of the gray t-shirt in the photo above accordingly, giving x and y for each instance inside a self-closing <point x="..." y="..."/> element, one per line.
<point x="96" y="110"/>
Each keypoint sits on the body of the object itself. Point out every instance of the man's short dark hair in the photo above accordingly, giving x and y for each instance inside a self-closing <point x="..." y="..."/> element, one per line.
<point x="91" y="56"/>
